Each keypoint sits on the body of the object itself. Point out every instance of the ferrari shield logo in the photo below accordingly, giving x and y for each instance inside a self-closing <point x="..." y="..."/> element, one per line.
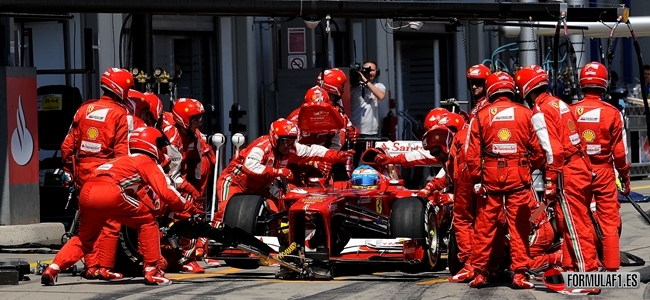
<point x="580" y="110"/>
<point x="379" y="205"/>
<point x="554" y="104"/>
<point x="493" y="111"/>
<point x="90" y="109"/>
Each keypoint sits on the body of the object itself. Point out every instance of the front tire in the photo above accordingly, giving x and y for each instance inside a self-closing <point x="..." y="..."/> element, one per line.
<point x="412" y="218"/>
<point x="242" y="211"/>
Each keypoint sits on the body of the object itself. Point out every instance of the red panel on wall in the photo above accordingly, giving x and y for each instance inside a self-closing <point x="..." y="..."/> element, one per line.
<point x="22" y="126"/>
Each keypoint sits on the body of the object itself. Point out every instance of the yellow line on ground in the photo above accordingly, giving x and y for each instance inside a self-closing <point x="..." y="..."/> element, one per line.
<point x="433" y="281"/>
<point x="301" y="281"/>
<point x="33" y="265"/>
<point x="204" y="275"/>
<point x="640" y="187"/>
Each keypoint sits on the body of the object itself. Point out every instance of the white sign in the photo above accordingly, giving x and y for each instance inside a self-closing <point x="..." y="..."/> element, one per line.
<point x="400" y="147"/>
<point x="297" y="62"/>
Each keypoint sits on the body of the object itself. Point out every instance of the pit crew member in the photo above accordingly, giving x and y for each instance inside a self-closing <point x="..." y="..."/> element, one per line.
<point x="602" y="128"/>
<point x="111" y="192"/>
<point x="567" y="172"/>
<point x="257" y="166"/>
<point x="500" y="147"/>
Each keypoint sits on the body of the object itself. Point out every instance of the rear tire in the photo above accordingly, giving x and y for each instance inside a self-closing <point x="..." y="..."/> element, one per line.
<point x="128" y="260"/>
<point x="412" y="218"/>
<point x="455" y="265"/>
<point x="242" y="211"/>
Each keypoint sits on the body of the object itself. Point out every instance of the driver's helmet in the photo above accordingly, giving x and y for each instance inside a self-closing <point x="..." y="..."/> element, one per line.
<point x="365" y="177"/>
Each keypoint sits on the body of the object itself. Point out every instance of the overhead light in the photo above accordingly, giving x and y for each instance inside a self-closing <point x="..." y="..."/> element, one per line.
<point x="311" y="21"/>
<point x="416" y="25"/>
<point x="157" y="72"/>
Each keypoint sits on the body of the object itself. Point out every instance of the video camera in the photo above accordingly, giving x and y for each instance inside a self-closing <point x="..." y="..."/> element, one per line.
<point x="355" y="69"/>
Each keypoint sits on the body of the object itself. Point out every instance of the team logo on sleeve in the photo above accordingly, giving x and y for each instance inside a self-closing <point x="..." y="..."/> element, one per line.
<point x="554" y="104"/>
<point x="572" y="126"/>
<point x="493" y="111"/>
<point x="580" y="111"/>
<point x="90" y="109"/>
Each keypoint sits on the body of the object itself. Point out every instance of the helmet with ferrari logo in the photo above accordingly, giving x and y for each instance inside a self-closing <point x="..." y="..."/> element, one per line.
<point x="283" y="132"/>
<point x="150" y="141"/>
<point x="185" y="109"/>
<point x="117" y="81"/>
<point x="498" y="83"/>
<point x="594" y="75"/>
<point x="433" y="116"/>
<point x="365" y="177"/>
<point x="333" y="81"/>
<point x="437" y="140"/>
<point x="529" y="78"/>
<point x="316" y="94"/>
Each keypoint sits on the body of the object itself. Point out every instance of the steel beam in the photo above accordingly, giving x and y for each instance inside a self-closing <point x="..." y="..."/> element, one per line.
<point x="368" y="9"/>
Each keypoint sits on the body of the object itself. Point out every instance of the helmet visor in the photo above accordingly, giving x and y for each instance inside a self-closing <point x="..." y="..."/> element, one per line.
<point x="162" y="141"/>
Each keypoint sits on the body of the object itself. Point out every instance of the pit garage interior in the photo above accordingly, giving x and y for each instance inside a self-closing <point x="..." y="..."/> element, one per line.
<point x="261" y="56"/>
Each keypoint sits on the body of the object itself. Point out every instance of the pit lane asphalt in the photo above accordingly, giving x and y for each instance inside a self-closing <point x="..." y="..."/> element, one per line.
<point x="229" y="283"/>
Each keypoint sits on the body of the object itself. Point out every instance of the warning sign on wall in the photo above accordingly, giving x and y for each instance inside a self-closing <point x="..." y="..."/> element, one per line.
<point x="296" y="40"/>
<point x="297" y="62"/>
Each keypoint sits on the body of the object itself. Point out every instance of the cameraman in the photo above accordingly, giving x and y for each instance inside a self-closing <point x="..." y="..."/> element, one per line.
<point x="364" y="98"/>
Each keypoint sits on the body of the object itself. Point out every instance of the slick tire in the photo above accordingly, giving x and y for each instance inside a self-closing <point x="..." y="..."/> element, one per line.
<point x="455" y="265"/>
<point x="128" y="260"/>
<point x="242" y="211"/>
<point x="411" y="218"/>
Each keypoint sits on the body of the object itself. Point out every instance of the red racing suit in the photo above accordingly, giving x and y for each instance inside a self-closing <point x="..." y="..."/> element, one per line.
<point x="112" y="192"/>
<point x="98" y="134"/>
<point x="252" y="170"/>
<point x="499" y="151"/>
<point x="184" y="150"/>
<point x="601" y="127"/>
<point x="331" y="140"/>
<point x="567" y="165"/>
<point x="542" y="257"/>
<point x="464" y="197"/>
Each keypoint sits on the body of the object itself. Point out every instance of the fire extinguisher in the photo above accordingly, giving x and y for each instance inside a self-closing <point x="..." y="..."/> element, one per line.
<point x="389" y="126"/>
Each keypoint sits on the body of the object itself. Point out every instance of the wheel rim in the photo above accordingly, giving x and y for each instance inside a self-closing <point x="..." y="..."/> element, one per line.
<point x="431" y="239"/>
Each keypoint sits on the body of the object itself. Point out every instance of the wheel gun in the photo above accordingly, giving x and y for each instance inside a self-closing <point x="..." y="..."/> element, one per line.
<point x="66" y="178"/>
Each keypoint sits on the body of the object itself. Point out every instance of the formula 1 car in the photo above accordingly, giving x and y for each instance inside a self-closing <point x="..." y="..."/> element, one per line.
<point x="320" y="226"/>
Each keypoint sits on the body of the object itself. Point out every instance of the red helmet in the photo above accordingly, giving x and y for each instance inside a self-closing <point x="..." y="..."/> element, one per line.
<point x="594" y="75"/>
<point x="478" y="72"/>
<point x="117" y="81"/>
<point x="316" y="94"/>
<point x="149" y="140"/>
<point x="499" y="82"/>
<point x="438" y="135"/>
<point x="186" y="108"/>
<point x="452" y="120"/>
<point x="136" y="102"/>
<point x="155" y="105"/>
<point x="282" y="129"/>
<point x="333" y="81"/>
<point x="433" y="116"/>
<point x="530" y="78"/>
